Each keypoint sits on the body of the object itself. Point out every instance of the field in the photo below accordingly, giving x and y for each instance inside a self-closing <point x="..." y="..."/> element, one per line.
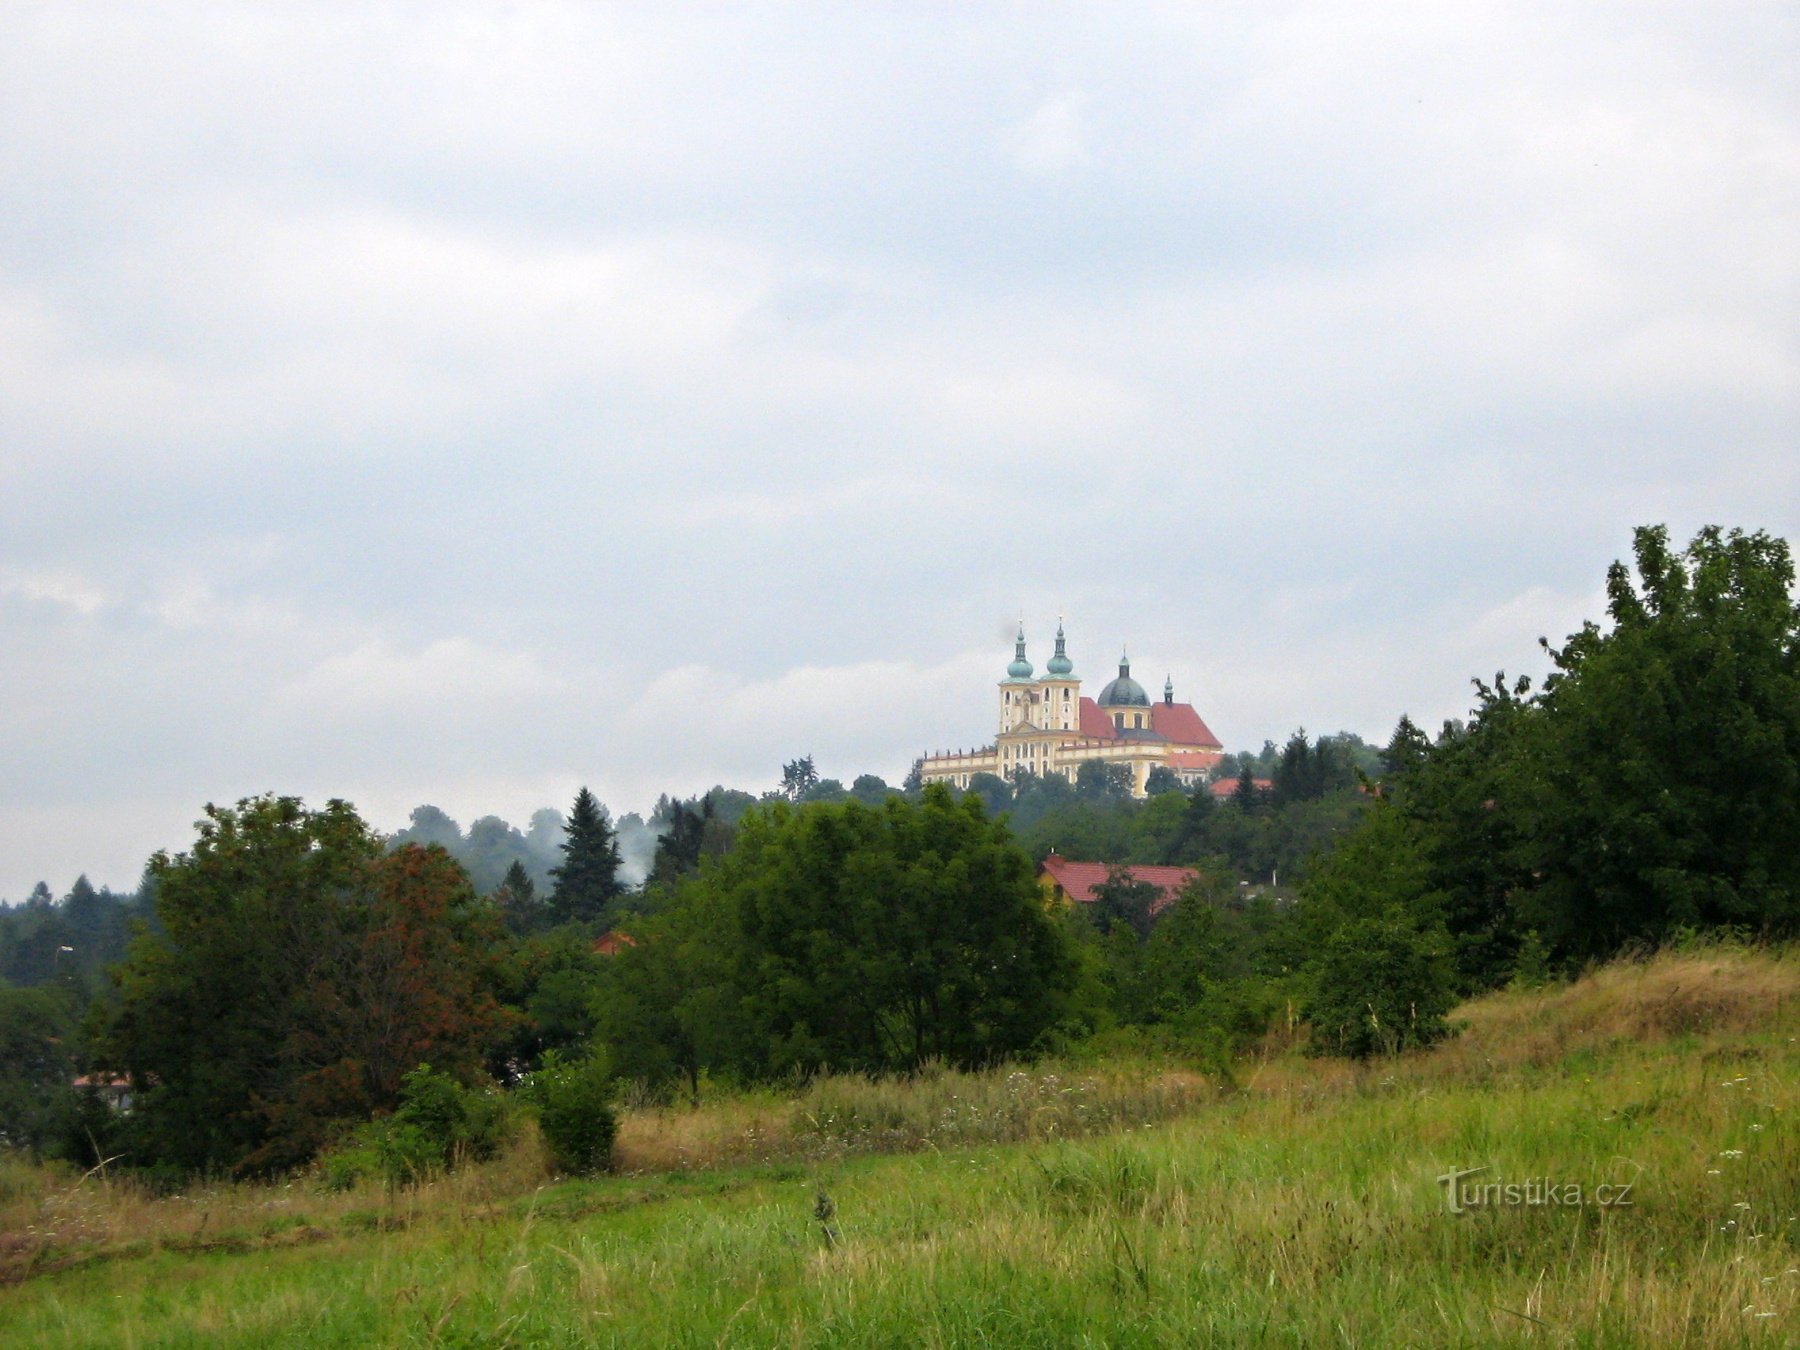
<point x="1056" y="1205"/>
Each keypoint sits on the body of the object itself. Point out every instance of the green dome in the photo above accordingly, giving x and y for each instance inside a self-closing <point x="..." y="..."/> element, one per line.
<point x="1059" y="665"/>
<point x="1020" y="669"/>
<point x="1124" y="692"/>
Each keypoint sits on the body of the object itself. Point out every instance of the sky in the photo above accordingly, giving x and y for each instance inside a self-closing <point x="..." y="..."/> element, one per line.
<point x="464" y="402"/>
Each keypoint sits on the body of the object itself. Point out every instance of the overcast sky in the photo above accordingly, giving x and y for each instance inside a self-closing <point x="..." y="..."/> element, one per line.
<point x="458" y="403"/>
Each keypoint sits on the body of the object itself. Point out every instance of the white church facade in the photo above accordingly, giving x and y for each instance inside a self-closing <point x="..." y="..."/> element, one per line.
<point x="1046" y="726"/>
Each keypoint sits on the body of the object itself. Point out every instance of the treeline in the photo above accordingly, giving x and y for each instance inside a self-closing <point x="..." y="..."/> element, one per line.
<point x="1649" y="789"/>
<point x="300" y="967"/>
<point x="68" y="942"/>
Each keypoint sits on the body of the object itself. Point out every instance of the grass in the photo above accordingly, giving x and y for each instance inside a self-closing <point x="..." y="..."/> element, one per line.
<point x="1122" y="1207"/>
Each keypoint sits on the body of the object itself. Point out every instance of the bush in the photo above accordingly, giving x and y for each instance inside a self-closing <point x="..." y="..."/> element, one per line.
<point x="1379" y="986"/>
<point x="438" y="1123"/>
<point x="575" y="1114"/>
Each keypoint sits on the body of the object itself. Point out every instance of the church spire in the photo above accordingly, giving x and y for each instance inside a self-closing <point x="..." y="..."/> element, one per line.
<point x="1060" y="665"/>
<point x="1168" y="689"/>
<point x="1020" y="669"/>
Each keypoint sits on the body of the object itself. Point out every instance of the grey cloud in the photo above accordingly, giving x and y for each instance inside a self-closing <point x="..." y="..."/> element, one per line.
<point x="370" y="372"/>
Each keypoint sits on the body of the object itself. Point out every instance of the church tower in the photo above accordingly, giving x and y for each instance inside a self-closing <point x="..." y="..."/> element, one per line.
<point x="1060" y="690"/>
<point x="1018" y="691"/>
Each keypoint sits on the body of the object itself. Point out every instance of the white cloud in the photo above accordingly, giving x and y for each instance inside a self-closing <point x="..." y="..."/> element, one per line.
<point x="1054" y="138"/>
<point x="65" y="590"/>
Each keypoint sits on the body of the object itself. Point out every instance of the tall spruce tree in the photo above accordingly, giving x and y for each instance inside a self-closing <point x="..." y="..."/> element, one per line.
<point x="587" y="882"/>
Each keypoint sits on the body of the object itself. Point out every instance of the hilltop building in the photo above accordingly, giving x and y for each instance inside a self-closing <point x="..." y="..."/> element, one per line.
<point x="1047" y="726"/>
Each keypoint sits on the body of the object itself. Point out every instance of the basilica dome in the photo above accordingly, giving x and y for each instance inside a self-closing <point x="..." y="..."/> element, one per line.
<point x="1123" y="692"/>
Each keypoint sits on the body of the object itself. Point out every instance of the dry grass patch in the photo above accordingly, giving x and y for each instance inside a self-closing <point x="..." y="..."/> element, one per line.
<point x="1723" y="990"/>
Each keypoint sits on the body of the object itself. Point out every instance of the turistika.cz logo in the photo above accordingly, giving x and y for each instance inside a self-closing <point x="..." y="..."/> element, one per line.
<point x="1462" y="1195"/>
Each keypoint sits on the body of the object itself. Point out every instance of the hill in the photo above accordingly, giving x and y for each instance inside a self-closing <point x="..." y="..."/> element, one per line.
<point x="1646" y="1117"/>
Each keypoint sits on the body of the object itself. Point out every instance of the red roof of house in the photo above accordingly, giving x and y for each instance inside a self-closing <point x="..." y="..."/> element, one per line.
<point x="1077" y="880"/>
<point x="612" y="942"/>
<point x="1095" y="724"/>
<point x="1224" y="787"/>
<point x="1181" y="724"/>
<point x="1195" y="759"/>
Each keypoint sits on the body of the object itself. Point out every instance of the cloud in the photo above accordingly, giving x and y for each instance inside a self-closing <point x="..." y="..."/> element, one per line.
<point x="1053" y="139"/>
<point x="445" y="402"/>
<point x="65" y="590"/>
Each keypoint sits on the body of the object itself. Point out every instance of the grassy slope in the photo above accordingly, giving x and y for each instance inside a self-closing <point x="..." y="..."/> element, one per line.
<point x="1301" y="1209"/>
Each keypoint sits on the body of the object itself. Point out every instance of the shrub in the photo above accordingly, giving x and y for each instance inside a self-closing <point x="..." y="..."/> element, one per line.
<point x="1379" y="986"/>
<point x="438" y="1123"/>
<point x="575" y="1115"/>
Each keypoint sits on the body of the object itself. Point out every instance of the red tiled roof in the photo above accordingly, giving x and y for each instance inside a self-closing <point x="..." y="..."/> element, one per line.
<point x="1181" y="724"/>
<point x="612" y="942"/>
<point x="1194" y="759"/>
<point x="1226" y="786"/>
<point x="1095" y="724"/>
<point x="1077" y="880"/>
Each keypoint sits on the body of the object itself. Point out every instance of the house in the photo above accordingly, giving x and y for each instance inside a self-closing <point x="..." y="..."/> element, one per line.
<point x="612" y="942"/>
<point x="1222" y="789"/>
<point x="113" y="1090"/>
<point x="1067" y="881"/>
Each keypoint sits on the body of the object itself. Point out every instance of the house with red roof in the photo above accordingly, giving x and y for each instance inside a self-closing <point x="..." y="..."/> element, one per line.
<point x="1223" y="788"/>
<point x="1069" y="882"/>
<point x="1047" y="725"/>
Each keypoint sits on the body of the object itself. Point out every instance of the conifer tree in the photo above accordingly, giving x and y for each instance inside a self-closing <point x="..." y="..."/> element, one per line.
<point x="587" y="882"/>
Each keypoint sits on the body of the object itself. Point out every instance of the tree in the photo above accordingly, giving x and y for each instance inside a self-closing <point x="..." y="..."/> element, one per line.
<point x="299" y="972"/>
<point x="517" y="900"/>
<point x="797" y="777"/>
<point x="1246" y="796"/>
<point x="679" y="845"/>
<point x="869" y="789"/>
<point x="1659" y="781"/>
<point x="1379" y="986"/>
<point x="867" y="938"/>
<point x="1122" y="901"/>
<point x="996" y="796"/>
<point x="914" y="782"/>
<point x="1160" y="780"/>
<point x="1098" y="781"/>
<point x="845" y="936"/>
<point x="1406" y="749"/>
<point x="587" y="882"/>
<point x="431" y="826"/>
<point x="35" y="1064"/>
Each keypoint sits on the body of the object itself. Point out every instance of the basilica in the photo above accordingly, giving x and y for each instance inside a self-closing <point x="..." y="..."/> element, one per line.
<point x="1047" y="726"/>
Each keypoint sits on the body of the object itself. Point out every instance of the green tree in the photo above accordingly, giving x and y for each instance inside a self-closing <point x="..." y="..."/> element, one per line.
<point x="1379" y="986"/>
<point x="798" y="777"/>
<point x="297" y="972"/>
<point x="518" y="903"/>
<point x="1659" y="785"/>
<point x="36" y="1066"/>
<point x="1406" y="749"/>
<point x="1160" y="780"/>
<point x="1122" y="901"/>
<point x="995" y="795"/>
<point x="882" y="938"/>
<point x="869" y="789"/>
<point x="1098" y="781"/>
<point x="587" y="882"/>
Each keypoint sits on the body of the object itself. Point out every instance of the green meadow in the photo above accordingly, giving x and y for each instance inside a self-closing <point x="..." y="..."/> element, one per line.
<point x="1295" y="1203"/>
